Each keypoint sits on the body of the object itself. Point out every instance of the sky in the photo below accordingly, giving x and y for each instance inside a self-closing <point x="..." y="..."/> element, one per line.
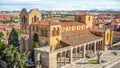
<point x="60" y="4"/>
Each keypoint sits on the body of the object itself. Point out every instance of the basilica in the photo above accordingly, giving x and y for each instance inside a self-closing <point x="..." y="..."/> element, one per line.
<point x="61" y="43"/>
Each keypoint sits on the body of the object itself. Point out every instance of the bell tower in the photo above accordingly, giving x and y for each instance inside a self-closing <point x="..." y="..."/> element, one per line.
<point x="55" y="36"/>
<point x="34" y="16"/>
<point x="85" y="18"/>
<point x="24" y="36"/>
<point x="24" y="21"/>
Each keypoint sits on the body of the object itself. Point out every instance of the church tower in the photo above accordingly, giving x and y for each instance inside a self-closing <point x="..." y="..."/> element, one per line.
<point x="24" y="36"/>
<point x="55" y="36"/>
<point x="26" y="19"/>
<point x="34" y="16"/>
<point x="85" y="18"/>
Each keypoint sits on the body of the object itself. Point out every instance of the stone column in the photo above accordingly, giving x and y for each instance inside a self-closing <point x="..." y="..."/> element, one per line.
<point x="65" y="58"/>
<point x="84" y="51"/>
<point x="95" y="47"/>
<point x="70" y="57"/>
<point x="100" y="46"/>
<point x="60" y="59"/>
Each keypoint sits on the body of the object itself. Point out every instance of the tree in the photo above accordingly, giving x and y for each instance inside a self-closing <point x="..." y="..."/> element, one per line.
<point x="1" y="46"/>
<point x="18" y="32"/>
<point x="6" y="21"/>
<point x="13" y="58"/>
<point x="13" y="38"/>
<point x="1" y="34"/>
<point x="35" y="45"/>
<point x="99" y="57"/>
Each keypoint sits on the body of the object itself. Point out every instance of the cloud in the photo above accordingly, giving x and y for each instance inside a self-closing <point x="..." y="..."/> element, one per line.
<point x="60" y="4"/>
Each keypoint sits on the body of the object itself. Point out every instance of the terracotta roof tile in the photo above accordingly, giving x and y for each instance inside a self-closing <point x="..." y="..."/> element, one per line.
<point x="116" y="33"/>
<point x="71" y="23"/>
<point x="79" y="38"/>
<point x="47" y="22"/>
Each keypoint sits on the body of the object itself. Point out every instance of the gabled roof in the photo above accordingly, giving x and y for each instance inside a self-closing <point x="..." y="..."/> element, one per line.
<point x="74" y="38"/>
<point x="32" y="10"/>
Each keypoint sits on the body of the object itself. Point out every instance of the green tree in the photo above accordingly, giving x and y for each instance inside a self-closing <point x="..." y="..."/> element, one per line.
<point x="6" y="21"/>
<point x="13" y="38"/>
<point x="1" y="46"/>
<point x="35" y="45"/>
<point x="1" y="34"/>
<point x="13" y="58"/>
<point x="18" y="32"/>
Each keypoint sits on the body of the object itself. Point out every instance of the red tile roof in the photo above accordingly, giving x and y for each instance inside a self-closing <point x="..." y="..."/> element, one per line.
<point x="116" y="33"/>
<point x="78" y="37"/>
<point x="71" y="23"/>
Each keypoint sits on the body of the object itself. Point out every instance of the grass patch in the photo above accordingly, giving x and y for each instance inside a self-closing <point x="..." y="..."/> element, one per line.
<point x="92" y="62"/>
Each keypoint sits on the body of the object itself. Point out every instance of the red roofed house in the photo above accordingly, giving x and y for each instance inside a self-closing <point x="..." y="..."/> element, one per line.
<point x="4" y="16"/>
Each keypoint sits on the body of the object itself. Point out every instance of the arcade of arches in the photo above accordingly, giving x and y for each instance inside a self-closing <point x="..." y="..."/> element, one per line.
<point x="68" y="55"/>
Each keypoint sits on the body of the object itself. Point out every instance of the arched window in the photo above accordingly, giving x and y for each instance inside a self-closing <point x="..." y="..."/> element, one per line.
<point x="35" y="18"/>
<point x="53" y="32"/>
<point x="107" y="36"/>
<point x="89" y="18"/>
<point x="35" y="38"/>
<point x="24" y="19"/>
<point x="46" y="33"/>
<point x="58" y="31"/>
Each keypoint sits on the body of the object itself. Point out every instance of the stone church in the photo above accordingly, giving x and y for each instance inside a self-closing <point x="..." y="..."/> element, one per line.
<point x="61" y="43"/>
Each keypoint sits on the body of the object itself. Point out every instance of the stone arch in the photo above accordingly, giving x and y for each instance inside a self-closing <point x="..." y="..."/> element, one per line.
<point x="82" y="48"/>
<point x="35" y="37"/>
<point x="58" y="31"/>
<point x="35" y="18"/>
<point x="74" y="50"/>
<point x="67" y="53"/>
<point x="58" y="56"/>
<point x="90" y="47"/>
<point x="78" y="49"/>
<point x="89" y="18"/>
